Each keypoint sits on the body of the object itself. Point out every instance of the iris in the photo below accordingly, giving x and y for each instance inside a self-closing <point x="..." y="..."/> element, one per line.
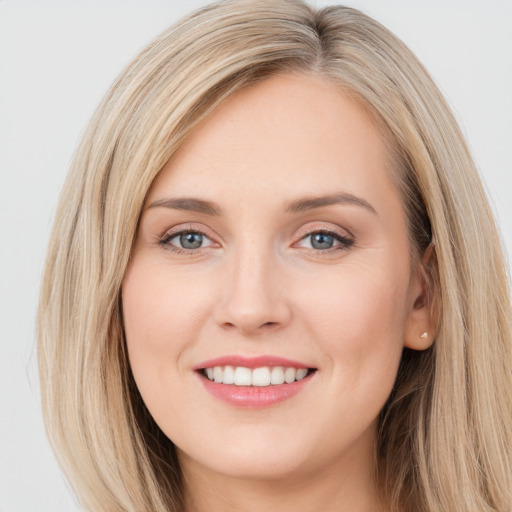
<point x="191" y="240"/>
<point x="322" y="241"/>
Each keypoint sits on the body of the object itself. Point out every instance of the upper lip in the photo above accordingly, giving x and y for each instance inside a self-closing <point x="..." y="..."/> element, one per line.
<point x="251" y="362"/>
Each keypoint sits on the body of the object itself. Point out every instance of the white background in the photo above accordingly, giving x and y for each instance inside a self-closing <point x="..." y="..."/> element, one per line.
<point x="57" y="59"/>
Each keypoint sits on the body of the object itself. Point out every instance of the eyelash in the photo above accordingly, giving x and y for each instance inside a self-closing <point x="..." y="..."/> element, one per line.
<point x="165" y="242"/>
<point x="344" y="242"/>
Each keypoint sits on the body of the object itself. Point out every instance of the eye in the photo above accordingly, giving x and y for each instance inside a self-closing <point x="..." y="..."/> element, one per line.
<point x="321" y="240"/>
<point x="325" y="241"/>
<point x="186" y="241"/>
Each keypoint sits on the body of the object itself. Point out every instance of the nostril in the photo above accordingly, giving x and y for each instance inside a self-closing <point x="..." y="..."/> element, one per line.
<point x="250" y="326"/>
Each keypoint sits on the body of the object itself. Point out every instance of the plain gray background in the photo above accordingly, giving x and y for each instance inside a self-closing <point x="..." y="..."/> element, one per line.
<point x="57" y="59"/>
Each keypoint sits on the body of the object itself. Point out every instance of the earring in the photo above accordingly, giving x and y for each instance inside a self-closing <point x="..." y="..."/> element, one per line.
<point x="424" y="335"/>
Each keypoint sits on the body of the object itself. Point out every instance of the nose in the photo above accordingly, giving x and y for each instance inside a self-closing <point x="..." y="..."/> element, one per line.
<point x="253" y="299"/>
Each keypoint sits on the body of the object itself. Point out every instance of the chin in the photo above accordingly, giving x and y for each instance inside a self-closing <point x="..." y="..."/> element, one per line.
<point x="261" y="460"/>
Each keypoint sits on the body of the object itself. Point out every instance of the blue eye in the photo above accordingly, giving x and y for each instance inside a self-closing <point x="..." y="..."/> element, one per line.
<point x="186" y="241"/>
<point x="321" y="241"/>
<point x="190" y="240"/>
<point x="325" y="241"/>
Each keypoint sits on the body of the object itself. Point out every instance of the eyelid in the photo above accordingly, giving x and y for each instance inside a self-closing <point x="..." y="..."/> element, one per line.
<point x="165" y="239"/>
<point x="345" y="239"/>
<point x="178" y="234"/>
<point x="323" y="227"/>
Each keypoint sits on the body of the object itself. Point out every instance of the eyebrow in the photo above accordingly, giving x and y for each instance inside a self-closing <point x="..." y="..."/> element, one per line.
<point x="310" y="203"/>
<point x="297" y="206"/>
<point x="189" y="204"/>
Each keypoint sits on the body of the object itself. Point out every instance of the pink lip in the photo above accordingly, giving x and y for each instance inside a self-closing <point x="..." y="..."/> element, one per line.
<point x="253" y="397"/>
<point x="251" y="362"/>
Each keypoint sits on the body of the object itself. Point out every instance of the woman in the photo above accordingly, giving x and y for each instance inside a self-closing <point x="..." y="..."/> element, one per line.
<point x="275" y="280"/>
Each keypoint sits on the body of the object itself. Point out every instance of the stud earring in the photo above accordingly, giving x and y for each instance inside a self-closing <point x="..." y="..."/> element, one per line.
<point x="424" y="335"/>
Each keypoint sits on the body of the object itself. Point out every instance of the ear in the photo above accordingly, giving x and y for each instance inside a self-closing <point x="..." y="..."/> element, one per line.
<point x="421" y="322"/>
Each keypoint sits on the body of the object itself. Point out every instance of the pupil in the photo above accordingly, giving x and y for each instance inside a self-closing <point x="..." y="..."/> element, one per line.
<point x="191" y="240"/>
<point x="322" y="241"/>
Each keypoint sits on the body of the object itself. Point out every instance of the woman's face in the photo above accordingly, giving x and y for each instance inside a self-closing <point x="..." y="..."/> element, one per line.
<point x="273" y="244"/>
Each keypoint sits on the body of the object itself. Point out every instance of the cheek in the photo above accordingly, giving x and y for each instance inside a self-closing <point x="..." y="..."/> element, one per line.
<point x="358" y="300"/>
<point x="160" y="323"/>
<point x="160" y="312"/>
<point x="161" y="316"/>
<point x="358" y="320"/>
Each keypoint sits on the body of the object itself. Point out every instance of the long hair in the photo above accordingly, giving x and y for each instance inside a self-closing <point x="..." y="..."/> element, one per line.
<point x="445" y="434"/>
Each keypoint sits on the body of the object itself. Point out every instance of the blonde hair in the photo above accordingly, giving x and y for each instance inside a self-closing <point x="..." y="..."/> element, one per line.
<point x="445" y="438"/>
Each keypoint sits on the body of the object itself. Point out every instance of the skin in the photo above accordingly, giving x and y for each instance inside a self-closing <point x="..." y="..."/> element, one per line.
<point x="257" y="286"/>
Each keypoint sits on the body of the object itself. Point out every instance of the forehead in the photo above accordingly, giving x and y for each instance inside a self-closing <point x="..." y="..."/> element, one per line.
<point x="288" y="135"/>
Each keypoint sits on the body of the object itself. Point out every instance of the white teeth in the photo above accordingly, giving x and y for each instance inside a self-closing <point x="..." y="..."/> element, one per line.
<point x="277" y="375"/>
<point x="301" y="373"/>
<point x="229" y="375"/>
<point x="289" y="375"/>
<point x="260" y="377"/>
<point x="217" y="374"/>
<point x="242" y="376"/>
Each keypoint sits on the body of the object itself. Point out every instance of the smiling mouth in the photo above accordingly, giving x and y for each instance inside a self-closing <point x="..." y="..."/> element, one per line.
<point x="255" y="377"/>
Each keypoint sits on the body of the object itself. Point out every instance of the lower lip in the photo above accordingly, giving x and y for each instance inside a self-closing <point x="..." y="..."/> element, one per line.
<point x="254" y="397"/>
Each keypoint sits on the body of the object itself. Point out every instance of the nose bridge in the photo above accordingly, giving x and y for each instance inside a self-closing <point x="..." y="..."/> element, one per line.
<point x="253" y="299"/>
